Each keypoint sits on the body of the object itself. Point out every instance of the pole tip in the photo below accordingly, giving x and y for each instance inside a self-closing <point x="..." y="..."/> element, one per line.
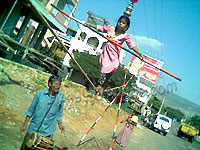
<point x="134" y="1"/>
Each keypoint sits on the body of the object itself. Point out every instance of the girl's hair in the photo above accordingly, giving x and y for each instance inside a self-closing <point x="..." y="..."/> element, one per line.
<point x="127" y="21"/>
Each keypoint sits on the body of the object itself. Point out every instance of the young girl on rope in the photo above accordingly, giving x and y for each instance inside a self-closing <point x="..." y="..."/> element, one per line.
<point x="109" y="59"/>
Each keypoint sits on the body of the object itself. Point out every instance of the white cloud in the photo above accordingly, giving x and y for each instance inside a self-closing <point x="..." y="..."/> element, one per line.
<point x="143" y="41"/>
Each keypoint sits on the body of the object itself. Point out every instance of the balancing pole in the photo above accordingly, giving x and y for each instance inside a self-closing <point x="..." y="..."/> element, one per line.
<point x="111" y="40"/>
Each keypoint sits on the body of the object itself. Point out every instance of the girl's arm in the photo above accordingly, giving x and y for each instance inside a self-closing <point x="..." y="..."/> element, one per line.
<point x="135" y="49"/>
<point x="132" y="46"/>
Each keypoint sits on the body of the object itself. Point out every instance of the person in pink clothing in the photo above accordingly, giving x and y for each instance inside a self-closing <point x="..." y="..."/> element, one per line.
<point x="109" y="59"/>
<point x="124" y="135"/>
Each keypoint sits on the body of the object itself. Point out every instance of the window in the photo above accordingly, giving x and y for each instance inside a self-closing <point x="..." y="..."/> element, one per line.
<point x="93" y="42"/>
<point x="82" y="36"/>
<point x="164" y="119"/>
<point x="71" y="32"/>
<point x="103" y="45"/>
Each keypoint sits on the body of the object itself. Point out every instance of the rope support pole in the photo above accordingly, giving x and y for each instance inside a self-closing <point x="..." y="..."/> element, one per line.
<point x="118" y="112"/>
<point x="102" y="114"/>
<point x="97" y="120"/>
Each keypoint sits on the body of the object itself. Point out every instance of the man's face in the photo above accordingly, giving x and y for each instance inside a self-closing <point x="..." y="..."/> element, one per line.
<point x="55" y="86"/>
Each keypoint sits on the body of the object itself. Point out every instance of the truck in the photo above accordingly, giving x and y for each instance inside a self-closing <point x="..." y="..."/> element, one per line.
<point x="162" y="124"/>
<point x="188" y="131"/>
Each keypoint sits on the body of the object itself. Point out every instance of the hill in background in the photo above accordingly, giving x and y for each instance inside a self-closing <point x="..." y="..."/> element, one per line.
<point x="184" y="105"/>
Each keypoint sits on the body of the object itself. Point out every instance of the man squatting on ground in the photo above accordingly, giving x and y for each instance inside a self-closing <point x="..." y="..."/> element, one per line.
<point x="41" y="103"/>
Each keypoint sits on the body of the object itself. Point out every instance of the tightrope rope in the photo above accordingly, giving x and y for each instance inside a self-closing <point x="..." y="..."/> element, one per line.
<point x="111" y="89"/>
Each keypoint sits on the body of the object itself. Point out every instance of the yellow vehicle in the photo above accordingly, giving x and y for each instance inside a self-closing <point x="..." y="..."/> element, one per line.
<point x="187" y="131"/>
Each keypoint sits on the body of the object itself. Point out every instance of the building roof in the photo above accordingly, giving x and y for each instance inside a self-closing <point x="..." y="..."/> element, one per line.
<point x="45" y="12"/>
<point x="97" y="19"/>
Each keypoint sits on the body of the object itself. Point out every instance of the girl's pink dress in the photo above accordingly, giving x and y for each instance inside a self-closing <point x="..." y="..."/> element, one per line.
<point x="109" y="59"/>
<point x="124" y="135"/>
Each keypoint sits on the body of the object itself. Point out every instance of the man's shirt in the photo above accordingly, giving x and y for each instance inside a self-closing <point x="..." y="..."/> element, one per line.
<point x="41" y="103"/>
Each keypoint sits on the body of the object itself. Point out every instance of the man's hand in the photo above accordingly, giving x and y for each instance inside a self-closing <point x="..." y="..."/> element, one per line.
<point x="61" y="127"/>
<point x="23" y="129"/>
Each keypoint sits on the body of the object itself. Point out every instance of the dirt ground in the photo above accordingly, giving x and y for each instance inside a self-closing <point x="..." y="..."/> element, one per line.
<point x="18" y="85"/>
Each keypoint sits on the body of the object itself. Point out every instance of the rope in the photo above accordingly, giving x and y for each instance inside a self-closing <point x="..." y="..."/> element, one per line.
<point x="111" y="89"/>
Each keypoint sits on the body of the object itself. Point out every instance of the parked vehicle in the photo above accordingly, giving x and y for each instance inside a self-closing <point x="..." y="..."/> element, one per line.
<point x="187" y="131"/>
<point x="162" y="124"/>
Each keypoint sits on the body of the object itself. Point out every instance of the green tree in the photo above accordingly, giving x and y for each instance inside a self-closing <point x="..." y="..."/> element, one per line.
<point x="173" y="113"/>
<point x="91" y="66"/>
<point x="156" y="103"/>
<point x="195" y="121"/>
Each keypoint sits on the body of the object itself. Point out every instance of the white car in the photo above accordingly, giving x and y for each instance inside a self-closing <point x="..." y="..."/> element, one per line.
<point x="162" y="124"/>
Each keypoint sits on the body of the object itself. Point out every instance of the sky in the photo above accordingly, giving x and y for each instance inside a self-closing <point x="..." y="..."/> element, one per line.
<point x="168" y="30"/>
